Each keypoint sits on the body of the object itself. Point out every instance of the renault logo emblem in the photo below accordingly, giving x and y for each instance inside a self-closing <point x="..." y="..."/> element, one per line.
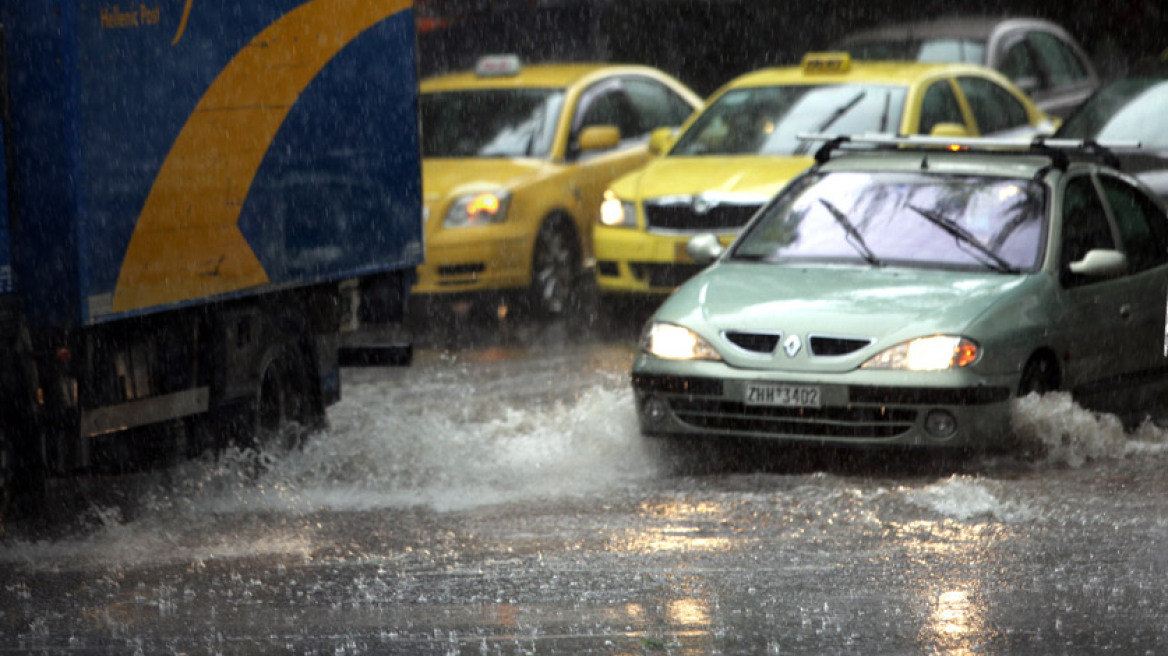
<point x="791" y="345"/>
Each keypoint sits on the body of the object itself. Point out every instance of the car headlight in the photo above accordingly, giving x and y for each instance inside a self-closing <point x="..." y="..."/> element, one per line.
<point x="617" y="213"/>
<point x="926" y="354"/>
<point x="673" y="342"/>
<point x="477" y="209"/>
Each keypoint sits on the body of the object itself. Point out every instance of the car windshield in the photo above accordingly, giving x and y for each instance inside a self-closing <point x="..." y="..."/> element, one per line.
<point x="902" y="219"/>
<point x="490" y="122"/>
<point x="942" y="50"/>
<point x="1127" y="110"/>
<point x="768" y="120"/>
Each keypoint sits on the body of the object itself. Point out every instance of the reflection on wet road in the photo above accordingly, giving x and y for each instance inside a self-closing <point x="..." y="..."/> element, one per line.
<point x="496" y="498"/>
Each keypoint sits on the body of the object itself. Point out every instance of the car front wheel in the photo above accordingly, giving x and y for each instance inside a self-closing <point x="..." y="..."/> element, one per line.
<point x="555" y="267"/>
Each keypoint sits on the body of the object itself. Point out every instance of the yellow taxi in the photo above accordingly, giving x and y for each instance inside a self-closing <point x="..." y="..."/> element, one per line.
<point x="515" y="160"/>
<point x="733" y="156"/>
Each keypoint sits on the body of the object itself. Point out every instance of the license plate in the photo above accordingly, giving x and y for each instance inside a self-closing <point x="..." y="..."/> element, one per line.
<point x="791" y="396"/>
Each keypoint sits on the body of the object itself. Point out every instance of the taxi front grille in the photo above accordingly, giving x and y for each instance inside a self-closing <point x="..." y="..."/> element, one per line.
<point x="840" y="423"/>
<point x="678" y="216"/>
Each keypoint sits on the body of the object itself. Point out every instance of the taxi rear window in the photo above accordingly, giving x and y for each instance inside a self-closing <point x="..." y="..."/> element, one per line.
<point x="942" y="50"/>
<point x="767" y="120"/>
<point x="490" y="122"/>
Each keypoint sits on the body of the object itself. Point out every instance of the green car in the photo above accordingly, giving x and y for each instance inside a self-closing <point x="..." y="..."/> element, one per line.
<point x="902" y="291"/>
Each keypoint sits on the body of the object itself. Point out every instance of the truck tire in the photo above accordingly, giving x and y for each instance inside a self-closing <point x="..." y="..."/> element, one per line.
<point x="285" y="406"/>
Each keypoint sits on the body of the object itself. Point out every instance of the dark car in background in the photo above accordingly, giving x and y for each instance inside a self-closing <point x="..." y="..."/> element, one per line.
<point x="1039" y="56"/>
<point x="1131" y="109"/>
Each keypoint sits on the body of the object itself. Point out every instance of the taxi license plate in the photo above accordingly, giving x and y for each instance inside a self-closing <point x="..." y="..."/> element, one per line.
<point x="777" y="394"/>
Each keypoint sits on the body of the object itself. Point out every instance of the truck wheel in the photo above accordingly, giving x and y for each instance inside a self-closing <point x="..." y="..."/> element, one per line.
<point x="285" y="409"/>
<point x="554" y="270"/>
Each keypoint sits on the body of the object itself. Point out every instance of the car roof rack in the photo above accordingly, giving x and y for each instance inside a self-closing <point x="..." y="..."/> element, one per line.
<point x="1059" y="151"/>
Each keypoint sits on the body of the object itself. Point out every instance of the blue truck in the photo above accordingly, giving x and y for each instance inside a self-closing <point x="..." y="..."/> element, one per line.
<point x="201" y="201"/>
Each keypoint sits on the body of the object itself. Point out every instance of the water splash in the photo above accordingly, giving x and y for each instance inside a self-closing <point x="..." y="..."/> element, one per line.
<point x="1066" y="434"/>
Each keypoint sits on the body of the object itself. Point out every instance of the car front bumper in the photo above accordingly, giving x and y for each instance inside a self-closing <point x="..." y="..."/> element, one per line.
<point x="475" y="259"/>
<point x="632" y="261"/>
<point x="863" y="407"/>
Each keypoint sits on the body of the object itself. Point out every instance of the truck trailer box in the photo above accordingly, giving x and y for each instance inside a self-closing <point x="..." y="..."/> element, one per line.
<point x="169" y="152"/>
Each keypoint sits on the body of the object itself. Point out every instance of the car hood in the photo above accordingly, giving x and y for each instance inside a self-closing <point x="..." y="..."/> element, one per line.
<point x="870" y="308"/>
<point x="445" y="178"/>
<point x="760" y="177"/>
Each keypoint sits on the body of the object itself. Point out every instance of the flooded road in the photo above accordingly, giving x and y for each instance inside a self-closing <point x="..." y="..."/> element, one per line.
<point x="496" y="498"/>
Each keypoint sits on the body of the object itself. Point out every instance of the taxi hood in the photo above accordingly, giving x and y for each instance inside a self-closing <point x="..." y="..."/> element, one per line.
<point x="442" y="178"/>
<point x="883" y="306"/>
<point x="745" y="175"/>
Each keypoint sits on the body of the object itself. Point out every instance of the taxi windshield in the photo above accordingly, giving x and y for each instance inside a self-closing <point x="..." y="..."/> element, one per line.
<point x="767" y="120"/>
<point x="903" y="219"/>
<point x="490" y="122"/>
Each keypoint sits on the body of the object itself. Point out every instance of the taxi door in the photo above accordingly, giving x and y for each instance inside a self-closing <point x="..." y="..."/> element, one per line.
<point x="604" y="103"/>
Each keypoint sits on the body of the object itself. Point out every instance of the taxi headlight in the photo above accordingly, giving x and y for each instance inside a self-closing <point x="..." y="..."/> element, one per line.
<point x="477" y="209"/>
<point x="926" y="354"/>
<point x="673" y="342"/>
<point x="617" y="213"/>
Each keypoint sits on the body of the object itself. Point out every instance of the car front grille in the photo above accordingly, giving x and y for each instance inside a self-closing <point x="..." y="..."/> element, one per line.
<point x="682" y="216"/>
<point x="835" y="346"/>
<point x="753" y="342"/>
<point x="839" y="423"/>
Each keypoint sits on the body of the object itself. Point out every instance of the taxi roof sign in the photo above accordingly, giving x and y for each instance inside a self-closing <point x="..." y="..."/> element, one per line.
<point x="827" y="62"/>
<point x="498" y="66"/>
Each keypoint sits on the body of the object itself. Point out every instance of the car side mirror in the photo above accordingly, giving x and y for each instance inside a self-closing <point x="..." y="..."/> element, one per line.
<point x="660" y="140"/>
<point x="599" y="137"/>
<point x="704" y="248"/>
<point x="948" y="130"/>
<point x="1100" y="263"/>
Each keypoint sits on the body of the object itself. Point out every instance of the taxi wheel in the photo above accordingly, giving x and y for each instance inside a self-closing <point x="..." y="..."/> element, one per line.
<point x="555" y="268"/>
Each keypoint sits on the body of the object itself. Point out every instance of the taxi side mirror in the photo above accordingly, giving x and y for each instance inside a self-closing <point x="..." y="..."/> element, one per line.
<point x="950" y="130"/>
<point x="1101" y="263"/>
<point x="704" y="248"/>
<point x="660" y="140"/>
<point x="599" y="137"/>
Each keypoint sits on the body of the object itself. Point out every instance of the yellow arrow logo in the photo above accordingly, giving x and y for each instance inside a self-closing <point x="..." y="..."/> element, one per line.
<point x="187" y="243"/>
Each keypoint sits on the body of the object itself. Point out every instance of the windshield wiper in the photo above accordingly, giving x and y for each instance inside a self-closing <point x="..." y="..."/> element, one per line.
<point x="996" y="262"/>
<point x="854" y="236"/>
<point x="835" y="116"/>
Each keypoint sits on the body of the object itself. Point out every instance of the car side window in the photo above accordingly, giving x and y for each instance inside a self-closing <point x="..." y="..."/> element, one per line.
<point x="994" y="108"/>
<point x="1142" y="225"/>
<point x="1085" y="227"/>
<point x="1018" y="64"/>
<point x="1063" y="67"/>
<point x="939" y="105"/>
<point x="657" y="104"/>
<point x="605" y="104"/>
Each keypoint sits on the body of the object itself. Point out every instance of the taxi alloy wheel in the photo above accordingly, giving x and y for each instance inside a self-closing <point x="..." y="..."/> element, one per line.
<point x="554" y="269"/>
